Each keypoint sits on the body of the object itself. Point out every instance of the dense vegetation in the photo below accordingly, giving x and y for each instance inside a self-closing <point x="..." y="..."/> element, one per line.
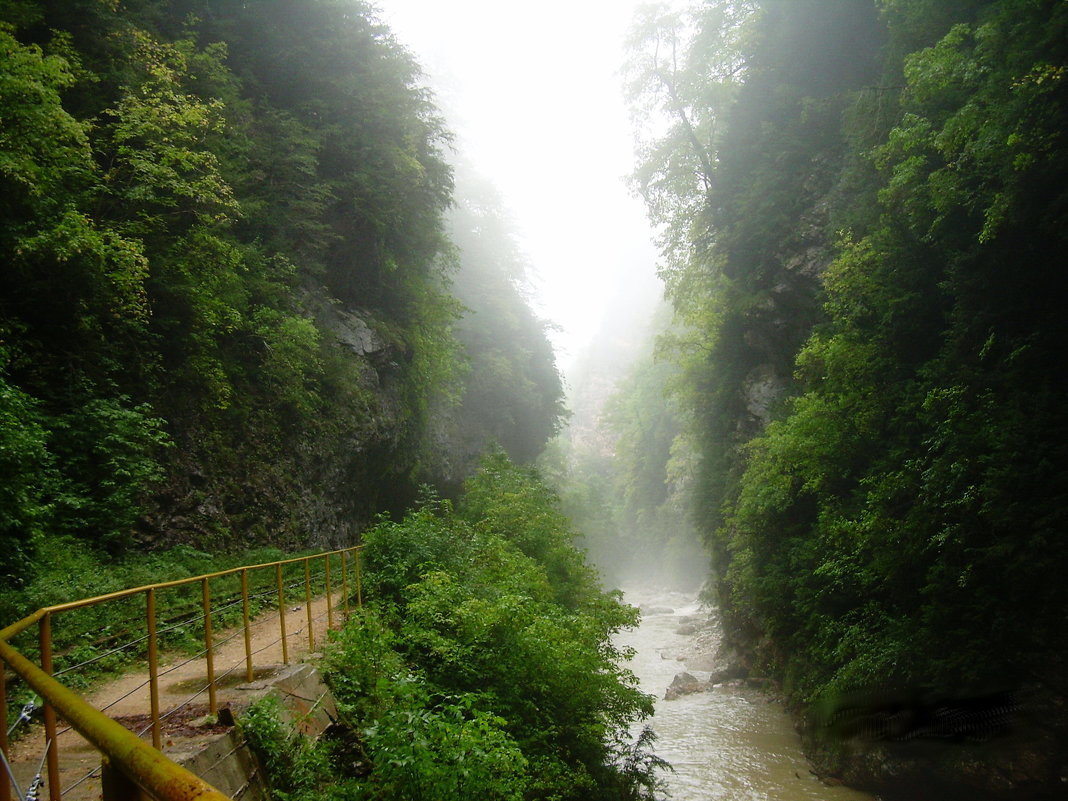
<point x="864" y="216"/>
<point x="227" y="312"/>
<point x="248" y="300"/>
<point x="483" y="667"/>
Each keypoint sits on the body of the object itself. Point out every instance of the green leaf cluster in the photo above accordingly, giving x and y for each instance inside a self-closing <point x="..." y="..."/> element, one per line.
<point x="883" y="240"/>
<point x="486" y="666"/>
<point x="227" y="301"/>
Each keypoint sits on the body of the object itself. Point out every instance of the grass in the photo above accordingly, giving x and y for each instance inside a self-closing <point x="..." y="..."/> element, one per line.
<point x="94" y="643"/>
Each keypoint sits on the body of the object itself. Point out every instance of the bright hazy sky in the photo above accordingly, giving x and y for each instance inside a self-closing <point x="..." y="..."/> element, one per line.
<point x="534" y="94"/>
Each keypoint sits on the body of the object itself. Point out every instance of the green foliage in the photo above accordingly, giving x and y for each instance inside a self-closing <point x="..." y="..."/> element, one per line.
<point x="654" y="470"/>
<point x="513" y="395"/>
<point x="24" y="468"/>
<point x="298" y="767"/>
<point x="489" y="639"/>
<point x="891" y="518"/>
<point x="364" y="667"/>
<point x="447" y="749"/>
<point x="627" y="485"/>
<point x="196" y="201"/>
<point x="420" y="742"/>
<point x="108" y="451"/>
<point x="513" y="504"/>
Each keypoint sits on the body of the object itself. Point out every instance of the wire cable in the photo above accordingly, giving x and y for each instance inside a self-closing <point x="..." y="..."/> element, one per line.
<point x="94" y="772"/>
<point x="98" y="657"/>
<point x="24" y="716"/>
<point x="38" y="780"/>
<point x="11" y="774"/>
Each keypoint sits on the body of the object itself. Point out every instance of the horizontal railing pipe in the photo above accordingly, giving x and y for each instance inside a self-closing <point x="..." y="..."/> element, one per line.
<point x="21" y="625"/>
<point x="128" y="757"/>
<point x="148" y="768"/>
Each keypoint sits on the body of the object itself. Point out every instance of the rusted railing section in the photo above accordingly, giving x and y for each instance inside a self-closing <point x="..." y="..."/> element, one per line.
<point x="132" y="767"/>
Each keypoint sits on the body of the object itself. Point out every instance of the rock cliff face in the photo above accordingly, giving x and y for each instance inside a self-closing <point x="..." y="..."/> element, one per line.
<point x="761" y="389"/>
<point x="1018" y="763"/>
<point x="310" y="487"/>
<point x="353" y="332"/>
<point x="256" y="342"/>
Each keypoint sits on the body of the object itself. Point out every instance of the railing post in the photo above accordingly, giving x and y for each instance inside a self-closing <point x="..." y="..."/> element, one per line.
<point x="282" y="612"/>
<point x="359" y="587"/>
<point x="52" y="753"/>
<point x="329" y="600"/>
<point x="345" y="582"/>
<point x="246" y="622"/>
<point x="5" y="781"/>
<point x="206" y="594"/>
<point x="153" y="667"/>
<point x="307" y="602"/>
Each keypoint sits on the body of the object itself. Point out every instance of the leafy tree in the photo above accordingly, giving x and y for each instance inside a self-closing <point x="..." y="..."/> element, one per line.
<point x="224" y="225"/>
<point x="74" y="295"/>
<point x="683" y="69"/>
<point x="877" y="524"/>
<point x="24" y="471"/>
<point x="626" y="483"/>
<point x="493" y="604"/>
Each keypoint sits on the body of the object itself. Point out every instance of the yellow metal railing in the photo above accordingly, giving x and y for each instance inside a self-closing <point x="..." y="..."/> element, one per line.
<point x="131" y="767"/>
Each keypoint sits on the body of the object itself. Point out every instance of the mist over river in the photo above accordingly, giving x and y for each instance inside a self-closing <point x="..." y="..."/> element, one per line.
<point x="730" y="743"/>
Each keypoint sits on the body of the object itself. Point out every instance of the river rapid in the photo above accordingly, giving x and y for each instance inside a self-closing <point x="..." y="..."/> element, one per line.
<point x="730" y="743"/>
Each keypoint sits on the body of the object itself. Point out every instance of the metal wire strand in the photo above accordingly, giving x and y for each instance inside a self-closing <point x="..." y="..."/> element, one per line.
<point x="24" y="716"/>
<point x="11" y="774"/>
<point x="271" y="644"/>
<point x="98" y="657"/>
<point x="233" y="635"/>
<point x="94" y="772"/>
<point x="216" y="609"/>
<point x="123" y="697"/>
<point x="35" y="784"/>
<point x="191" y="698"/>
<point x="269" y="591"/>
<point x="180" y="624"/>
<point x="195" y="695"/>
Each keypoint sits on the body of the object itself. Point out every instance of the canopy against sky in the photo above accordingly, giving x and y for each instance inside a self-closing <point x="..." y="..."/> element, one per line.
<point x="534" y="94"/>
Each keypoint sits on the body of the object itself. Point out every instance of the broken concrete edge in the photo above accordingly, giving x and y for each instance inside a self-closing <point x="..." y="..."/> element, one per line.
<point x="226" y="761"/>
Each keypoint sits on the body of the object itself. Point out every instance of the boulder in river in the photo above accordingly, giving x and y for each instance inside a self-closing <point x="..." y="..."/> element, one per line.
<point x="684" y="684"/>
<point x="730" y="673"/>
<point x="656" y="610"/>
<point x="700" y="661"/>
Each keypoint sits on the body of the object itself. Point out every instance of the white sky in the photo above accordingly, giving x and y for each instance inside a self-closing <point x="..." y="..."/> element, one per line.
<point x="533" y="93"/>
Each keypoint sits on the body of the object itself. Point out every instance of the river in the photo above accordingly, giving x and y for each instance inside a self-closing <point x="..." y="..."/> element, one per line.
<point x="731" y="743"/>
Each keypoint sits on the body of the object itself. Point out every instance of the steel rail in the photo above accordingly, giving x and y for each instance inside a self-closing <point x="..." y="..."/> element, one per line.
<point x="131" y="766"/>
<point x="21" y="625"/>
<point x="142" y="764"/>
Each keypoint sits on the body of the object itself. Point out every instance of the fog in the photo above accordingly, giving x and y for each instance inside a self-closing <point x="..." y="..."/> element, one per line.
<point x="534" y="95"/>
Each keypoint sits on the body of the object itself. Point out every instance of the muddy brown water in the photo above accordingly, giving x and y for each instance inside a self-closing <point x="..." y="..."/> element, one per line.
<point x="732" y="743"/>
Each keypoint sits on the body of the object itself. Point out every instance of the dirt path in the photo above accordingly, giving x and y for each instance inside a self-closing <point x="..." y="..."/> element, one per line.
<point x="183" y="696"/>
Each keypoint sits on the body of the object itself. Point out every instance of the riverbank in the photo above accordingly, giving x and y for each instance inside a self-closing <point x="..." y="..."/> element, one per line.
<point x="933" y="747"/>
<point x="922" y="744"/>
